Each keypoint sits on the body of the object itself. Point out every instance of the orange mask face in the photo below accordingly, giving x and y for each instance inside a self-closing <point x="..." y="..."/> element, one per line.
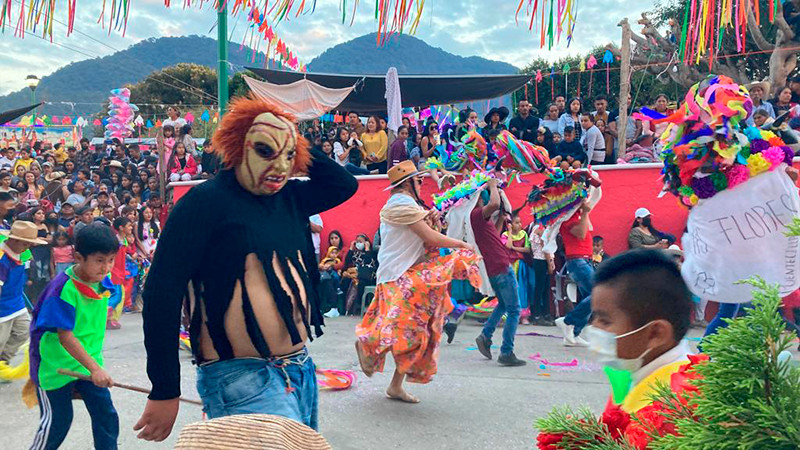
<point x="269" y="153"/>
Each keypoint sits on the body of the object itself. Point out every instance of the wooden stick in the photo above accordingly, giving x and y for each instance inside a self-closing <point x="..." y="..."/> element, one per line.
<point x="83" y="377"/>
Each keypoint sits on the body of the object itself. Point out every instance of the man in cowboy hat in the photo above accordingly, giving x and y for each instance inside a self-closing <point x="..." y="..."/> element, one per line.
<point x="524" y="125"/>
<point x="14" y="318"/>
<point x="758" y="91"/>
<point x="55" y="191"/>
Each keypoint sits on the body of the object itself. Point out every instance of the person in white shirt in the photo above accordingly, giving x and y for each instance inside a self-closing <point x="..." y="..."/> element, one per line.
<point x="592" y="140"/>
<point x="316" y="229"/>
<point x="175" y="120"/>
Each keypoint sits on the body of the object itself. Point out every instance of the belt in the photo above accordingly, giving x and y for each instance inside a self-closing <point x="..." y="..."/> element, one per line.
<point x="570" y="258"/>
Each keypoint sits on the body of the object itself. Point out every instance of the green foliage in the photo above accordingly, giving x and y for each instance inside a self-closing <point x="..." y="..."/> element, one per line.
<point x="750" y="399"/>
<point x="198" y="87"/>
<point x="586" y="430"/>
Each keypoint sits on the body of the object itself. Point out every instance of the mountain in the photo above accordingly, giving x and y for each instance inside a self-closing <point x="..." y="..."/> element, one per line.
<point x="407" y="53"/>
<point x="89" y="81"/>
<point x="86" y="83"/>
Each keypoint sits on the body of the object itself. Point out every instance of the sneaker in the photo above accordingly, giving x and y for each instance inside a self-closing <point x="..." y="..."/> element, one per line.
<point x="510" y="360"/>
<point x="332" y="313"/>
<point x="450" y="330"/>
<point x="484" y="345"/>
<point x="568" y="331"/>
<point x="113" y="325"/>
<point x="581" y="341"/>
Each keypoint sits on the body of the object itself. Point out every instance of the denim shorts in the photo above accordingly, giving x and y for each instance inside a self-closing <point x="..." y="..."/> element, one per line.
<point x="283" y="387"/>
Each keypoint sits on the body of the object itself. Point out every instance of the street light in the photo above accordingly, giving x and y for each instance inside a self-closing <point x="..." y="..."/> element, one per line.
<point x="33" y="81"/>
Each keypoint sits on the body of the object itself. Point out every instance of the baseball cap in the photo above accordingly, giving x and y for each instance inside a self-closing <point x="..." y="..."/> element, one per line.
<point x="641" y="213"/>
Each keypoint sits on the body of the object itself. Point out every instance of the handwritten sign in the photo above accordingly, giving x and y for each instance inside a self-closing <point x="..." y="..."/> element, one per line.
<point x="739" y="233"/>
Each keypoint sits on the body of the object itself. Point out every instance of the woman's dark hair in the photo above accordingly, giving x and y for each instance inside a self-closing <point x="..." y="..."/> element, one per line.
<point x="59" y="234"/>
<point x="168" y="128"/>
<point x="661" y="95"/>
<point x="98" y="238"/>
<point x="548" y="140"/>
<point x="341" y="240"/>
<point x="427" y="130"/>
<point x="377" y="120"/>
<point x="120" y="222"/>
<point x="568" y="109"/>
<point x="153" y="225"/>
<point x="648" y="225"/>
<point x="339" y="136"/>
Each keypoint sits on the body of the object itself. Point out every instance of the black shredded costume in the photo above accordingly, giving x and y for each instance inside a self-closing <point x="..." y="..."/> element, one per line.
<point x="206" y="240"/>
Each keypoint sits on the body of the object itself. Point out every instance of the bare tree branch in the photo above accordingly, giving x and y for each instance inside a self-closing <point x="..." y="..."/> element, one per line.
<point x="780" y="22"/>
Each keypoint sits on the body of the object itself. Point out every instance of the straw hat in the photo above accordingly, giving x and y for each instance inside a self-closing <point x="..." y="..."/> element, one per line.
<point x="401" y="172"/>
<point x="250" y="431"/>
<point x="24" y="231"/>
<point x="674" y="251"/>
<point x="54" y="176"/>
<point x="115" y="163"/>
<point x="764" y="85"/>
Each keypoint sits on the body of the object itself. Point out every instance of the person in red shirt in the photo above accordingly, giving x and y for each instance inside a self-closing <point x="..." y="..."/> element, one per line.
<point x="578" y="249"/>
<point x="501" y="276"/>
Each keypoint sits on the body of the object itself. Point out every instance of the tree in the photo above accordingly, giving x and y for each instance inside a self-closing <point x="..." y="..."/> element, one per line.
<point x="659" y="52"/>
<point x="183" y="84"/>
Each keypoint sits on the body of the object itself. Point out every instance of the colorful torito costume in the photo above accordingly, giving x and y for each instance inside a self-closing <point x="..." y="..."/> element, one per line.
<point x="238" y="249"/>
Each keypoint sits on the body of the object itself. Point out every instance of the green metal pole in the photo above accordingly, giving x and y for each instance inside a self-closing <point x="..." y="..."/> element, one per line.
<point x="222" y="68"/>
<point x="33" y="102"/>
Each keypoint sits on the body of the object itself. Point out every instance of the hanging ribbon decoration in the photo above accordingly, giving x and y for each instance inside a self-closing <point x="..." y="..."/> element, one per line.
<point x="551" y="18"/>
<point x="538" y="80"/>
<point x="608" y="58"/>
<point x="581" y="69"/>
<point x="565" y="70"/>
<point x="590" y="64"/>
<point x="552" y="88"/>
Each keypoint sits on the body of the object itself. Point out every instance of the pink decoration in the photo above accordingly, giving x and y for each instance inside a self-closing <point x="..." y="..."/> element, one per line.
<point x="189" y="117"/>
<point x="774" y="155"/>
<point x="737" y="175"/>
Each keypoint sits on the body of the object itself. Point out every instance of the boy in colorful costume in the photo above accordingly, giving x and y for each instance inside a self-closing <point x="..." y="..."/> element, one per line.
<point x="14" y="318"/>
<point x="243" y="240"/>
<point x="67" y="332"/>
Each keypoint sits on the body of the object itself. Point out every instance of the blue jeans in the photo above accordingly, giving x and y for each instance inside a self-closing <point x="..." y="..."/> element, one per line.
<point x="505" y="288"/>
<point x="283" y="387"/>
<point x="726" y="311"/>
<point x="582" y="273"/>
<point x="55" y="408"/>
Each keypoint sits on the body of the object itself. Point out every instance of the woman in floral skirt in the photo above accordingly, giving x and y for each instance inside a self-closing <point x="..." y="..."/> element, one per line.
<point x="412" y="296"/>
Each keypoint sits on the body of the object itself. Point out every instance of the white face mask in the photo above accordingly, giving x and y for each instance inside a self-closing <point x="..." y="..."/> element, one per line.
<point x="360" y="246"/>
<point x="604" y="344"/>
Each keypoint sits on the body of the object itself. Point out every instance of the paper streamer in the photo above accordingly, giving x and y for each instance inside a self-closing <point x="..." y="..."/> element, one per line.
<point x="335" y="380"/>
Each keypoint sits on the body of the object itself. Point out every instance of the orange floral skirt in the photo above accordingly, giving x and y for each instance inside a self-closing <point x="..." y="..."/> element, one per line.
<point x="407" y="315"/>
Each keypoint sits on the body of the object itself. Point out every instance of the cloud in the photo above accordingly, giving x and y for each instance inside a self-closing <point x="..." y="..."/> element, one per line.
<point x="461" y="27"/>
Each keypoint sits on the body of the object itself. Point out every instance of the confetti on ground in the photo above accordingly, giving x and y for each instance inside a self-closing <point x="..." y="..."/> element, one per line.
<point x="475" y="348"/>
<point x="533" y="333"/>
<point x="572" y="366"/>
<point x="538" y="357"/>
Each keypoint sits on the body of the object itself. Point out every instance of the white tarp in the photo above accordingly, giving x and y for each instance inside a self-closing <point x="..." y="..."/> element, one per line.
<point x="739" y="233"/>
<point x="304" y="99"/>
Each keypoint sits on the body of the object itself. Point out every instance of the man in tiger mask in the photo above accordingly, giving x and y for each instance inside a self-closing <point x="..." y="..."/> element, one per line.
<point x="238" y="249"/>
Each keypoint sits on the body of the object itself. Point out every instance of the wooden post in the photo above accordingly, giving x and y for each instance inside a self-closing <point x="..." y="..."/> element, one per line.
<point x="624" y="86"/>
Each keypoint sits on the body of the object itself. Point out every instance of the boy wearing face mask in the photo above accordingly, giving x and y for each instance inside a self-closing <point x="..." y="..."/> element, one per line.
<point x="641" y="310"/>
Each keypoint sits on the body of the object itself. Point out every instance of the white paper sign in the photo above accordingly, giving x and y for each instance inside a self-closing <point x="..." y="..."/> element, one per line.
<point x="739" y="233"/>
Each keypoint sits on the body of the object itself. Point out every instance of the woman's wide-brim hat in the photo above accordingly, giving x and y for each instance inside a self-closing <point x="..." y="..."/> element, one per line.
<point x="24" y="231"/>
<point x="502" y="111"/>
<point x="52" y="176"/>
<point x="401" y="172"/>
<point x="250" y="431"/>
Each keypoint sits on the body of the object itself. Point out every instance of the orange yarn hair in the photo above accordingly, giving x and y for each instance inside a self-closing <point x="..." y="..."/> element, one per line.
<point x="230" y="135"/>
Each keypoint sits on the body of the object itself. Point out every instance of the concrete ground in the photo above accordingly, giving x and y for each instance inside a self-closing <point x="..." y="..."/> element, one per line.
<point x="472" y="403"/>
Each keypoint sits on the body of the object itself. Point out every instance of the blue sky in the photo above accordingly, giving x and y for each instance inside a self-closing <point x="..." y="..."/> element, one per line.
<point x="463" y="27"/>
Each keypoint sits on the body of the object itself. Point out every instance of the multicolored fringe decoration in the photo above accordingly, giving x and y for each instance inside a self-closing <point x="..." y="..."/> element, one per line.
<point x="538" y="80"/>
<point x="550" y="19"/>
<point x="608" y="58"/>
<point x="460" y="192"/>
<point x="705" y="23"/>
<point x="519" y="154"/>
<point x="454" y="156"/>
<point x="704" y="151"/>
<point x="560" y="193"/>
<point x="335" y="380"/>
<point x="590" y="64"/>
<point x="43" y="12"/>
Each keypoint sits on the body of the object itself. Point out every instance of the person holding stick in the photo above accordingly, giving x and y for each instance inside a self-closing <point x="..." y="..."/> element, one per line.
<point x="67" y="334"/>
